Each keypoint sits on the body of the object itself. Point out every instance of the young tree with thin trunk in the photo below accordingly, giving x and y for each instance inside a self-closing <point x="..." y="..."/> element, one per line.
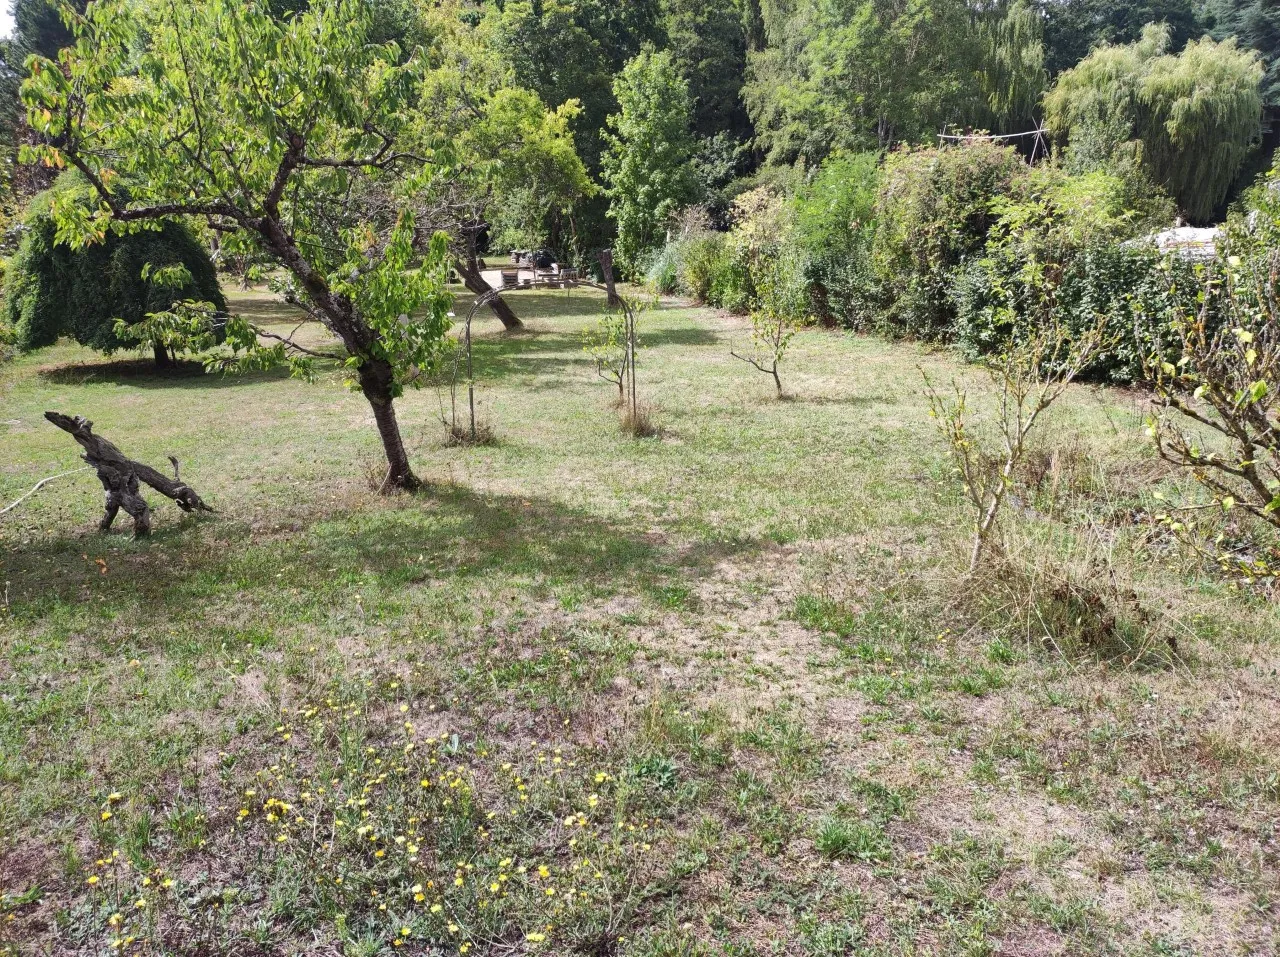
<point x="272" y="131"/>
<point x="1034" y="371"/>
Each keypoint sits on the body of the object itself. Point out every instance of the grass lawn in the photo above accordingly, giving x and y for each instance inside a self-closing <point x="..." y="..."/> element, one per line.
<point x="725" y="691"/>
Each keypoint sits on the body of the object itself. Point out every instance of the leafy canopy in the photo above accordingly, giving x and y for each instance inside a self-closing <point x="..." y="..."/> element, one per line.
<point x="1192" y="118"/>
<point x="861" y="74"/>
<point x="276" y="131"/>
<point x="648" y="166"/>
<point x="518" y="169"/>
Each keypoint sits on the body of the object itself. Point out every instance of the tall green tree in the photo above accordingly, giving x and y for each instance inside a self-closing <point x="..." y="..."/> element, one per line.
<point x="648" y="165"/>
<point x="708" y="42"/>
<point x="272" y="131"/>
<point x="1074" y="27"/>
<point x="1190" y="118"/>
<point x="38" y="30"/>
<point x="1011" y="76"/>
<point x="571" y="50"/>
<point x="1255" y="24"/>
<point x="862" y="74"/>
<point x="519" y="172"/>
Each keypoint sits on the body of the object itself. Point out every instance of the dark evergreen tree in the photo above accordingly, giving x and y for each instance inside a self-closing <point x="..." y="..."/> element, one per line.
<point x="54" y="290"/>
<point x="1256" y="25"/>
<point x="1074" y="27"/>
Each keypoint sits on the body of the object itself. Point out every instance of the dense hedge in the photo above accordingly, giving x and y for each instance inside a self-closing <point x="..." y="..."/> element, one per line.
<point x="1135" y="289"/>
<point x="54" y="290"/>
<point x="963" y="244"/>
<point x="934" y="210"/>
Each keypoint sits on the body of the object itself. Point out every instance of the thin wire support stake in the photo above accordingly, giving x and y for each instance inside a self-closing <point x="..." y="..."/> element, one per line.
<point x="494" y="293"/>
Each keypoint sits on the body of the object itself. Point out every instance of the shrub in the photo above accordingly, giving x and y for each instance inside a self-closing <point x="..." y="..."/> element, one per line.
<point x="662" y="274"/>
<point x="781" y="303"/>
<point x="701" y="262"/>
<point x="1036" y="365"/>
<point x="934" y="210"/>
<point x="1134" y="289"/>
<point x="56" y="291"/>
<point x="1066" y="246"/>
<point x="1218" y="399"/>
<point x="835" y="221"/>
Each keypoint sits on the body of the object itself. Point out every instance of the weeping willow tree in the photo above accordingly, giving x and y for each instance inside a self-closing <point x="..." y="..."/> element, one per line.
<point x="1191" y="119"/>
<point x="1011" y="78"/>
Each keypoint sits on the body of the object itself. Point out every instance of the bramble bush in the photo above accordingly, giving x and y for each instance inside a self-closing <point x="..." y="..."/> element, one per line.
<point x="1070" y="246"/>
<point x="934" y="211"/>
<point x="952" y="244"/>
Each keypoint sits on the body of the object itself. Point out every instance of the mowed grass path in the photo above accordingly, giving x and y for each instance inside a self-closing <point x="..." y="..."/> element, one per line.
<point x="752" y="629"/>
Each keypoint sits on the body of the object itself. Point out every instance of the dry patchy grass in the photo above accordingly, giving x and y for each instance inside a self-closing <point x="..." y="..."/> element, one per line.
<point x="747" y="638"/>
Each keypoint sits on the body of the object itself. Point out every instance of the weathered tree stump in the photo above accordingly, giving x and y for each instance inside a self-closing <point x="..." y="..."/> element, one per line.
<point x="121" y="477"/>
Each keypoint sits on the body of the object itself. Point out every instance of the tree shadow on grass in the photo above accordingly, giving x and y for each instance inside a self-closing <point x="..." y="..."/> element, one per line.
<point x="547" y="353"/>
<point x="143" y="374"/>
<point x="185" y="374"/>
<point x="450" y="536"/>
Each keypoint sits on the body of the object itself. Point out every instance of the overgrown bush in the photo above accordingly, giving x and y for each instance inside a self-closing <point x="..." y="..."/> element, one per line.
<point x="55" y="291"/>
<point x="1071" y="246"/>
<point x="725" y="269"/>
<point x="1133" y="287"/>
<point x="934" y="210"/>
<point x="835" y="222"/>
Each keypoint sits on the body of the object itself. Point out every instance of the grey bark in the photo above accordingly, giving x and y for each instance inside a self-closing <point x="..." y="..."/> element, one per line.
<point x="122" y="477"/>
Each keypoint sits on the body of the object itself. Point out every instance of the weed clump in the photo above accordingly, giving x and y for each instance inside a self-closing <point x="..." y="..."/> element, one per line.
<point x="384" y="836"/>
<point x="856" y="840"/>
<point x="460" y="435"/>
<point x="639" y="422"/>
<point x="1072" y="605"/>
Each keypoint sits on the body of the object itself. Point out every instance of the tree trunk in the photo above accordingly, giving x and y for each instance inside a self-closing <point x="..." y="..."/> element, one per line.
<point x="163" y="359"/>
<point x="375" y="383"/>
<point x="606" y="271"/>
<point x="476" y="284"/>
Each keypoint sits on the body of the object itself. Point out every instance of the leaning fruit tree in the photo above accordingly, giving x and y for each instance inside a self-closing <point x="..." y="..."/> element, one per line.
<point x="277" y="133"/>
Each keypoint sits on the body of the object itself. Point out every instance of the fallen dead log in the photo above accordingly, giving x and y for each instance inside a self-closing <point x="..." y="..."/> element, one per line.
<point x="122" y="477"/>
